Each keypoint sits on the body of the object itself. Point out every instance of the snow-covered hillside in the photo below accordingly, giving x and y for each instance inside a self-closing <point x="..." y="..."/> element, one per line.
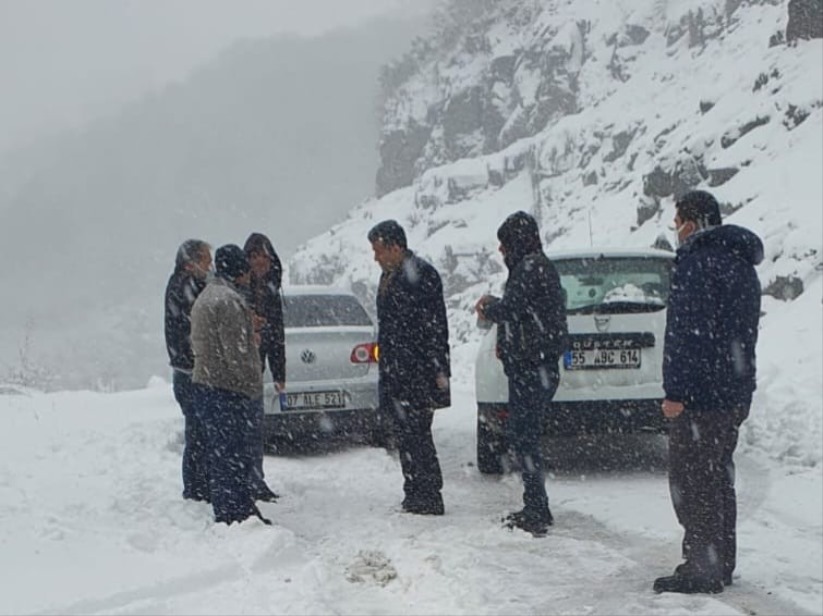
<point x="605" y="112"/>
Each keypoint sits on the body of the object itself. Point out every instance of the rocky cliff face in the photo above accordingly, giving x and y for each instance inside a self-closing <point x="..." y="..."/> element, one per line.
<point x="594" y="117"/>
<point x="484" y="84"/>
<point x="516" y="67"/>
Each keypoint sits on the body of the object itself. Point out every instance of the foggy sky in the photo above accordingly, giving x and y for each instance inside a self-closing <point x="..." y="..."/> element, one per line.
<point x="244" y="140"/>
<point x="65" y="62"/>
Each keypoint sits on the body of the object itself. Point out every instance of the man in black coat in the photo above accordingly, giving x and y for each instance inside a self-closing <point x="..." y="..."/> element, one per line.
<point x="264" y="298"/>
<point x="531" y="336"/>
<point x="191" y="268"/>
<point x="414" y="363"/>
<point x="708" y="379"/>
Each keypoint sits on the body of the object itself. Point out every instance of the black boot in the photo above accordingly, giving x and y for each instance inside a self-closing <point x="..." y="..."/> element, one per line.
<point x="682" y="569"/>
<point x="265" y="494"/>
<point x="687" y="582"/>
<point x="537" y="525"/>
<point x="429" y="505"/>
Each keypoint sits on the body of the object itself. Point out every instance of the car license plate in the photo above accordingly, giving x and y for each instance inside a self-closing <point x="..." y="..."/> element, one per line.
<point x="599" y="359"/>
<point x="312" y="400"/>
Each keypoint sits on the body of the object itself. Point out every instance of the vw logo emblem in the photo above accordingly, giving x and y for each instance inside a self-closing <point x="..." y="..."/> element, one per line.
<point x="308" y="356"/>
<point x="601" y="322"/>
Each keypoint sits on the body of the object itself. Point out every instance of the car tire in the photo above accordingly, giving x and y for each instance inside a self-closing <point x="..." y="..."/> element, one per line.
<point x="491" y="449"/>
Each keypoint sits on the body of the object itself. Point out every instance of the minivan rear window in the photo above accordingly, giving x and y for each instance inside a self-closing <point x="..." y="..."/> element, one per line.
<point x="323" y="311"/>
<point x="614" y="284"/>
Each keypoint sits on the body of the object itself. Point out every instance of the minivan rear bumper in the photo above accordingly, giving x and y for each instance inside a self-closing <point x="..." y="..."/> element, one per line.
<point x="587" y="417"/>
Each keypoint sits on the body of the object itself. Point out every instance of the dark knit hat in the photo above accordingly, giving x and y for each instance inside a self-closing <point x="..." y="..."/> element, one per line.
<point x="701" y="207"/>
<point x="231" y="262"/>
<point x="389" y="232"/>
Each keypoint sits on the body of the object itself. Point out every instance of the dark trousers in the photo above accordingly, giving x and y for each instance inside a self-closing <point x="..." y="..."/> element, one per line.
<point x="530" y="394"/>
<point x="253" y="425"/>
<point x="701" y="482"/>
<point x="225" y="415"/>
<point x="195" y="470"/>
<point x="423" y="480"/>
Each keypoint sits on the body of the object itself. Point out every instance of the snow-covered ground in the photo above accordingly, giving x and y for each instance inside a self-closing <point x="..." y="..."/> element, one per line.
<point x="92" y="522"/>
<point x="91" y="518"/>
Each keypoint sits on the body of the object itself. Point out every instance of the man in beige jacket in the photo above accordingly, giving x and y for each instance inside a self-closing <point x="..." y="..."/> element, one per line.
<point x="229" y="383"/>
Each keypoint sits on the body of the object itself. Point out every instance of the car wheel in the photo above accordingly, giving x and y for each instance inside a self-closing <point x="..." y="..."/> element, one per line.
<point x="491" y="449"/>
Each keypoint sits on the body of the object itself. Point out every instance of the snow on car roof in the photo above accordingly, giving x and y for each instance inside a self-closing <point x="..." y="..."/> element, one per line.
<point x="315" y="289"/>
<point x="610" y="252"/>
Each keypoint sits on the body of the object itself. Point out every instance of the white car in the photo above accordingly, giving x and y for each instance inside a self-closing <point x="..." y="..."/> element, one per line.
<point x="611" y="376"/>
<point x="331" y="369"/>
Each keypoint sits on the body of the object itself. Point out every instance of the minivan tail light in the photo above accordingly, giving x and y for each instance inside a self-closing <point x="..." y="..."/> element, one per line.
<point x="366" y="353"/>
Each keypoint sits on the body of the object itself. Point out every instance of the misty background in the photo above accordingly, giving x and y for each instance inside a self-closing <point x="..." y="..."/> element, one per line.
<point x="128" y="127"/>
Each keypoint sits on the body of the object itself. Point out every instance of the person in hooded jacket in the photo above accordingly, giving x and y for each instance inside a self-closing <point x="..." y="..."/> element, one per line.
<point x="228" y="383"/>
<point x="264" y="297"/>
<point x="531" y="336"/>
<point x="191" y="269"/>
<point x="708" y="380"/>
<point x="414" y="364"/>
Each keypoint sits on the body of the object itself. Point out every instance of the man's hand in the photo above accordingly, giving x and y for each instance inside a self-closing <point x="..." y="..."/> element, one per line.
<point x="671" y="409"/>
<point x="442" y="381"/>
<point x="279" y="386"/>
<point x="480" y="306"/>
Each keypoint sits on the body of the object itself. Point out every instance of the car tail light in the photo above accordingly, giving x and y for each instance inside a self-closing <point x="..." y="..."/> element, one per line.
<point x="367" y="353"/>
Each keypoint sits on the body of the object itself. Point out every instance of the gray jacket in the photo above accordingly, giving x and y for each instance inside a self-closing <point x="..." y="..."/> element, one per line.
<point x="222" y="337"/>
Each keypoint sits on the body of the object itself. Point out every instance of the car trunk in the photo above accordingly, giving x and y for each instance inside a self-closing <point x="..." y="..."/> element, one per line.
<point x="322" y="353"/>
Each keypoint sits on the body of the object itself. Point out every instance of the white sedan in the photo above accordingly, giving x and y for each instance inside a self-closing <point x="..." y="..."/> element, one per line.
<point x="331" y="370"/>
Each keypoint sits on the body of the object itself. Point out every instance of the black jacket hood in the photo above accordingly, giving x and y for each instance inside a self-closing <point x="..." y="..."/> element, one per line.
<point x="519" y="236"/>
<point x="731" y="238"/>
<point x="258" y="241"/>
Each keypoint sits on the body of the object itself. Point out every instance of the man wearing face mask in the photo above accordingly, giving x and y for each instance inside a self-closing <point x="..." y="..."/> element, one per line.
<point x="191" y="270"/>
<point x="708" y="379"/>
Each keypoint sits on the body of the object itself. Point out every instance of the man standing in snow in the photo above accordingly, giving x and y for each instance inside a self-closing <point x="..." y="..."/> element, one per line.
<point x="228" y="384"/>
<point x="414" y="365"/>
<point x="708" y="379"/>
<point x="531" y="336"/>
<point x="191" y="268"/>
<point x="265" y="302"/>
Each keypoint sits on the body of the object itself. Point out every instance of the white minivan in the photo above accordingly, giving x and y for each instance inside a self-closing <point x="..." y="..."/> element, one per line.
<point x="611" y="374"/>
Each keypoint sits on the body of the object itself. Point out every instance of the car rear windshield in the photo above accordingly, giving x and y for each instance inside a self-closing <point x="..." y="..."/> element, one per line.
<point x="614" y="284"/>
<point x="323" y="311"/>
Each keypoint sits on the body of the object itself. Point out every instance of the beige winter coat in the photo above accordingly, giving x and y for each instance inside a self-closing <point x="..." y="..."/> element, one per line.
<point x="222" y="337"/>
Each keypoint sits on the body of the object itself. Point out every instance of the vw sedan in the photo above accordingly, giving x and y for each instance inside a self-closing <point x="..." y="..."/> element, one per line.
<point x="331" y="370"/>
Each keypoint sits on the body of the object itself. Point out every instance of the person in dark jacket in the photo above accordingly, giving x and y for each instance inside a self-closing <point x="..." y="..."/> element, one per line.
<point x="228" y="384"/>
<point x="264" y="297"/>
<point x="191" y="269"/>
<point x="531" y="336"/>
<point x="414" y="364"/>
<point x="708" y="380"/>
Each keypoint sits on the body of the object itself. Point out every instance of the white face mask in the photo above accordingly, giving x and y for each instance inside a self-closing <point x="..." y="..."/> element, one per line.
<point x="677" y="231"/>
<point x="677" y="241"/>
